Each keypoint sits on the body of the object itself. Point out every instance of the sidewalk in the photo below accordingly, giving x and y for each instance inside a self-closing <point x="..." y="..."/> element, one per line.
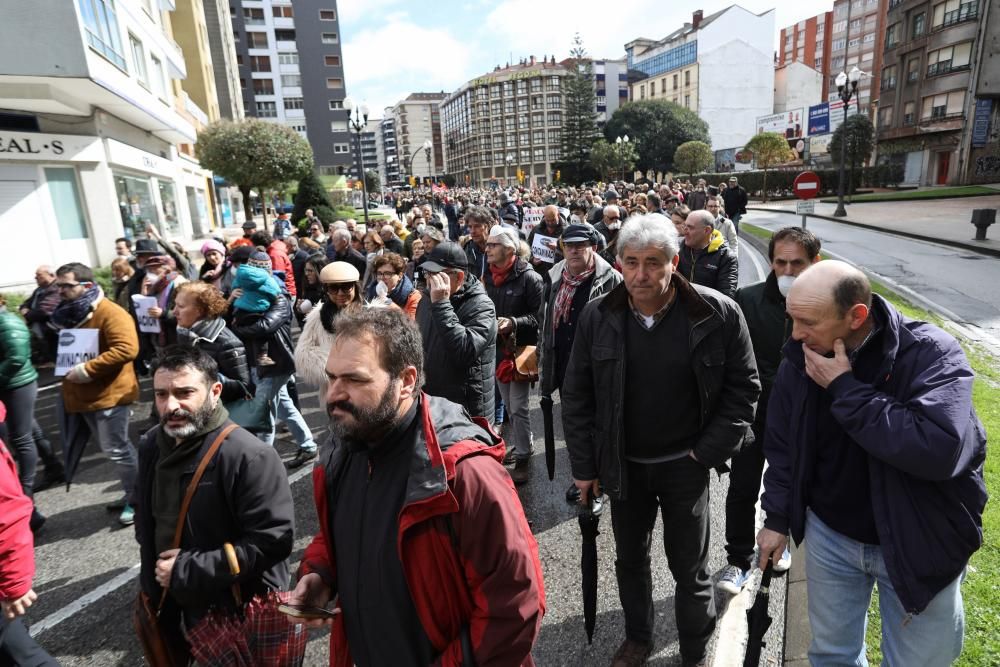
<point x="946" y="221"/>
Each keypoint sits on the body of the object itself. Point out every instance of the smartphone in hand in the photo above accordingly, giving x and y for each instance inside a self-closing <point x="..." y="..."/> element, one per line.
<point x="308" y="612"/>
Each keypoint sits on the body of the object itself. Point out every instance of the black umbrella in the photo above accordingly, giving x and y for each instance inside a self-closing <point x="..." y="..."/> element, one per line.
<point x="589" y="517"/>
<point x="758" y="620"/>
<point x="75" y="435"/>
<point x="550" y="437"/>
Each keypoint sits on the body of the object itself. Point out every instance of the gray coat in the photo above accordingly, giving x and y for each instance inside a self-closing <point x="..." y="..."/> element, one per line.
<point x="593" y="390"/>
<point x="605" y="280"/>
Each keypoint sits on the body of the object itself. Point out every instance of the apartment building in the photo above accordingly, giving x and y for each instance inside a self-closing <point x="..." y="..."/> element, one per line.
<point x="720" y="66"/>
<point x="417" y="119"/>
<point x="858" y="38"/>
<point x="928" y="106"/>
<point x="291" y="71"/>
<point x="364" y="148"/>
<point x="388" y="166"/>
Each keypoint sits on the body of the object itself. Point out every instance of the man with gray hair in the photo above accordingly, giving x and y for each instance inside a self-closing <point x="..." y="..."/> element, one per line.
<point x="339" y="250"/>
<point x="705" y="257"/>
<point x="661" y="387"/>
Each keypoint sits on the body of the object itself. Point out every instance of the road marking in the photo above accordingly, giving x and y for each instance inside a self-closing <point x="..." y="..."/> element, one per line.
<point x="108" y="587"/>
<point x="757" y="260"/>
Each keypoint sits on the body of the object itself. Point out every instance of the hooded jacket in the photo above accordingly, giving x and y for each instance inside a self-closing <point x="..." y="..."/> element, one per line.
<point x="593" y="390"/>
<point x="605" y="280"/>
<point x="459" y="337"/>
<point x="925" y="445"/>
<point x="16" y="369"/>
<point x="714" y="266"/>
<point x="17" y="554"/>
<point x="270" y="331"/>
<point x="278" y="252"/>
<point x="215" y="338"/>
<point x="468" y="555"/>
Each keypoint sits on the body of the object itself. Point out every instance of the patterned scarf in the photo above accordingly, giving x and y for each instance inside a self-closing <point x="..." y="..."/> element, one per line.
<point x="69" y="314"/>
<point x="500" y="273"/>
<point x="567" y="290"/>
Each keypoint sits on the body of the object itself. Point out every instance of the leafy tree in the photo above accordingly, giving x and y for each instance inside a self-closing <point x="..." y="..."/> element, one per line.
<point x="254" y="154"/>
<point x="371" y="181"/>
<point x="769" y="149"/>
<point x="692" y="157"/>
<point x="579" y="118"/>
<point x="311" y="194"/>
<point x="610" y="160"/>
<point x="860" y="134"/>
<point x="657" y="127"/>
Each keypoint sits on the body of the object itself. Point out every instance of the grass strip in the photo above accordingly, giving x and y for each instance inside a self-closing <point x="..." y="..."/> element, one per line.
<point x="914" y="195"/>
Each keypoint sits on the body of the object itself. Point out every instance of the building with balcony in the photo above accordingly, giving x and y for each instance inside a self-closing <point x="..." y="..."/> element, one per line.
<point x="505" y="123"/>
<point x="926" y="106"/>
<point x="388" y="155"/>
<point x="720" y="66"/>
<point x="365" y="148"/>
<point x="291" y="71"/>
<point x="807" y="42"/>
<point x="212" y="25"/>
<point x="417" y="119"/>
<point x="610" y="87"/>
<point x="858" y="36"/>
<point x="90" y="125"/>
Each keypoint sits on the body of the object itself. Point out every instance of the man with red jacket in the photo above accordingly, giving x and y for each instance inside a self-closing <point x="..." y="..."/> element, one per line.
<point x="424" y="540"/>
<point x="17" y="568"/>
<point x="278" y="253"/>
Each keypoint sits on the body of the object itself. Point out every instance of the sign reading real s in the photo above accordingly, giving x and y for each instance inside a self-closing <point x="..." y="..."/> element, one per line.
<point x="43" y="146"/>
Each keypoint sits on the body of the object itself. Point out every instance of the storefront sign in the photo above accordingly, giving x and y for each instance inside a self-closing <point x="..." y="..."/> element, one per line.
<point x="140" y="160"/>
<point x="43" y="146"/>
<point x="787" y="123"/>
<point x="981" y="123"/>
<point x="76" y="346"/>
<point x="819" y="119"/>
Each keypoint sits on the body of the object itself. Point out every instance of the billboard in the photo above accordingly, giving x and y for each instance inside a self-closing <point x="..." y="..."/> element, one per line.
<point x="819" y="119"/>
<point x="837" y="113"/>
<point x="789" y="124"/>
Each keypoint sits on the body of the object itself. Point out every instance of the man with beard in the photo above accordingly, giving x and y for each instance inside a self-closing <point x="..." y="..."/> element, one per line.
<point x="410" y="470"/>
<point x="243" y="499"/>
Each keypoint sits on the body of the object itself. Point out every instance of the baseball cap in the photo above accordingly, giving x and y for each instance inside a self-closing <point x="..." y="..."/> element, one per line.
<point x="447" y="255"/>
<point x="610" y="194"/>
<point x="250" y="224"/>
<point x="578" y="233"/>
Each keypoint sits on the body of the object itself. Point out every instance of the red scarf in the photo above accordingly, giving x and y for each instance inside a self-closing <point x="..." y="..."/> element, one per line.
<point x="500" y="273"/>
<point x="567" y="289"/>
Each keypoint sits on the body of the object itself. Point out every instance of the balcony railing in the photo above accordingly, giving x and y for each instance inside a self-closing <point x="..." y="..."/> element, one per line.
<point x="966" y="12"/>
<point x="945" y="67"/>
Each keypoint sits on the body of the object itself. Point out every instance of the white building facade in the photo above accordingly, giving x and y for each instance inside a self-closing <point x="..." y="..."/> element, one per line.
<point x="796" y="85"/>
<point x="89" y="132"/>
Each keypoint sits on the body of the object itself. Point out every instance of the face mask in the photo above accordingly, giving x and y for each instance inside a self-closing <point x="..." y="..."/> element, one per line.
<point x="614" y="225"/>
<point x="575" y="219"/>
<point x="420" y="228"/>
<point x="785" y="284"/>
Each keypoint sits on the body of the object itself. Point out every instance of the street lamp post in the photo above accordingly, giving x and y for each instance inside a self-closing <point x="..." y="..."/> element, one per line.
<point x="622" y="145"/>
<point x="509" y="160"/>
<point x="847" y="88"/>
<point x="357" y="118"/>
<point x="426" y="146"/>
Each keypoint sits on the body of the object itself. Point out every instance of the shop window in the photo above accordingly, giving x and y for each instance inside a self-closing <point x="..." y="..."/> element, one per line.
<point x="65" y="198"/>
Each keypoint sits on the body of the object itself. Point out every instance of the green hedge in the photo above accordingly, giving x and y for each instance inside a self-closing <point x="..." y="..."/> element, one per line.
<point x="779" y="182"/>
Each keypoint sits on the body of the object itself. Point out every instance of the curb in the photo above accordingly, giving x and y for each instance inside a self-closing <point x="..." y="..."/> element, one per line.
<point x="994" y="252"/>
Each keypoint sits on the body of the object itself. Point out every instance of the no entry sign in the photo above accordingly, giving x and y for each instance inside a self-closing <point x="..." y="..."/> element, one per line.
<point x="806" y="185"/>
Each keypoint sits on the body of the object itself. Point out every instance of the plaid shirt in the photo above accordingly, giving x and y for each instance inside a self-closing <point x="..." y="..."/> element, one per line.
<point x="649" y="322"/>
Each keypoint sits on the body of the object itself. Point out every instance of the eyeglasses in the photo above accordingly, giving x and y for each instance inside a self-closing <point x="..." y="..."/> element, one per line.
<point x="338" y="287"/>
<point x="69" y="285"/>
<point x="385" y="274"/>
<point x="493" y="245"/>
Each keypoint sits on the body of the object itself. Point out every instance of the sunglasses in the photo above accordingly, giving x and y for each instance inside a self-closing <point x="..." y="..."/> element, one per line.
<point x="339" y="287"/>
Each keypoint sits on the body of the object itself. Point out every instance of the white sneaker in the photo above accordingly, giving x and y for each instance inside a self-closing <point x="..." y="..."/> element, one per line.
<point x="733" y="579"/>
<point x="784" y="562"/>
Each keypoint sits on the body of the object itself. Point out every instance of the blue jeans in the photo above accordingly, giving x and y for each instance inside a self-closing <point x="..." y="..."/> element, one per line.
<point x="840" y="574"/>
<point x="288" y="413"/>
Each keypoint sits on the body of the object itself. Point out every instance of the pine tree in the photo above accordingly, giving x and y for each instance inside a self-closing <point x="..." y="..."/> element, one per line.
<point x="310" y="194"/>
<point x="579" y="118"/>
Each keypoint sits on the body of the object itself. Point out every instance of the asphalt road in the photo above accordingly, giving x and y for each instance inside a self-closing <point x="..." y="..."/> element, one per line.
<point x="86" y="563"/>
<point x="960" y="284"/>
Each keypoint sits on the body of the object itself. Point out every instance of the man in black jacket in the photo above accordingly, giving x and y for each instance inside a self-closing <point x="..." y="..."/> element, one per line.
<point x="458" y="326"/>
<point x="705" y="257"/>
<point x="792" y="250"/>
<point x="516" y="291"/>
<point x="339" y="249"/>
<point x="479" y="220"/>
<point x="243" y="499"/>
<point x="661" y="388"/>
<point x="36" y="311"/>
<point x="736" y="200"/>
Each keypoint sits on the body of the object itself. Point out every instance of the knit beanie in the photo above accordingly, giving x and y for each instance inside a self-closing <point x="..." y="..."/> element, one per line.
<point x="260" y="260"/>
<point x="210" y="245"/>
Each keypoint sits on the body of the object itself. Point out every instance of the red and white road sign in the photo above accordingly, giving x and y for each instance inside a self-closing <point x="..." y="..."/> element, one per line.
<point x="806" y="185"/>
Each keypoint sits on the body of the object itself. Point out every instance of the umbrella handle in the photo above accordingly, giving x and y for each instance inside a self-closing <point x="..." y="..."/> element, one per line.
<point x="234" y="569"/>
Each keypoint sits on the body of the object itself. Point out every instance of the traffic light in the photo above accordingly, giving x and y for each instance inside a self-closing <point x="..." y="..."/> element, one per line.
<point x="558" y="174"/>
<point x="413" y="181"/>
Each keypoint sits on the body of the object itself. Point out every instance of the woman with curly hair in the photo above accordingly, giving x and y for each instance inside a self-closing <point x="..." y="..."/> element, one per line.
<point x="390" y="270"/>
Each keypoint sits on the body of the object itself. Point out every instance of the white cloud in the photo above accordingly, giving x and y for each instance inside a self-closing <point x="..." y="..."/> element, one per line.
<point x="352" y="11"/>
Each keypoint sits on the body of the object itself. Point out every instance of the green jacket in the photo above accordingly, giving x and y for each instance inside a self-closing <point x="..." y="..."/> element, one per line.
<point x="764" y="309"/>
<point x="15" y="352"/>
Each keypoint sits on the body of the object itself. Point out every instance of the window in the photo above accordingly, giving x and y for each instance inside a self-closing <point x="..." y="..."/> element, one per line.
<point x="284" y="35"/>
<point x="869" y="38"/>
<point x="945" y="105"/>
<point x="554" y="118"/>
<point x="687" y="76"/>
<point x="913" y="70"/>
<point x="949" y="59"/>
<point x="257" y="40"/>
<point x="687" y="101"/>
<point x="919" y="22"/>
<point x="338" y="126"/>
<point x="336" y="104"/>
<point x="854" y="42"/>
<point x="538" y="154"/>
<point x="555" y="101"/>
<point x="327" y="15"/>
<point x="291" y="81"/>
<point x="253" y="16"/>
<point x="839" y="44"/>
<point x="889" y="77"/>
<point x="891" y="35"/>
<point x="334" y="83"/>
<point x="159" y="83"/>
<point x="663" y="85"/>
<point x="239" y="60"/>
<point x="65" y="195"/>
<point x="908" y="113"/>
<point x="840" y="26"/>
<point x="260" y="63"/>
<point x="536" y="85"/>
<point x="298" y="125"/>
<point x="263" y="86"/>
<point x="103" y="34"/>
<point x="952" y="12"/>
<point x="652" y="90"/>
<point x="885" y="117"/>
<point x="820" y="28"/>
<point x="139" y="60"/>
<point x="642" y="92"/>
<point x="331" y="61"/>
<point x="522" y="87"/>
<point x="341" y="149"/>
<point x="508" y="106"/>
<point x="243" y="84"/>
<point x="293" y="103"/>
<point x="819" y="64"/>
<point x="282" y="12"/>
<point x="855" y="24"/>
<point x="288" y="58"/>
<point x="267" y="110"/>
<point x="330" y="38"/>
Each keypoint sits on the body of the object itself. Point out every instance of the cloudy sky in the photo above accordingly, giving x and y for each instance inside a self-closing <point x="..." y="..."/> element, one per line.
<point x="393" y="48"/>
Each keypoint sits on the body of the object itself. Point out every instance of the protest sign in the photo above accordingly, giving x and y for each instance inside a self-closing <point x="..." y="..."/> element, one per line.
<point x="76" y="346"/>
<point x="540" y="248"/>
<point x="147" y="323"/>
<point x="532" y="217"/>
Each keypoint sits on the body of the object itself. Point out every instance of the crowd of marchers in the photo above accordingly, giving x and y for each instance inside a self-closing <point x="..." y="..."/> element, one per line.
<point x="426" y="337"/>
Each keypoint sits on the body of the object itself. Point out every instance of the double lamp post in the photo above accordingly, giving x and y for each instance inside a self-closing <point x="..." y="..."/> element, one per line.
<point x="357" y="119"/>
<point x="847" y="88"/>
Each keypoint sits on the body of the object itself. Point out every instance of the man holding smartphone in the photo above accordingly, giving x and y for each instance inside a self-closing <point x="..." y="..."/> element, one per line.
<point x="422" y="537"/>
